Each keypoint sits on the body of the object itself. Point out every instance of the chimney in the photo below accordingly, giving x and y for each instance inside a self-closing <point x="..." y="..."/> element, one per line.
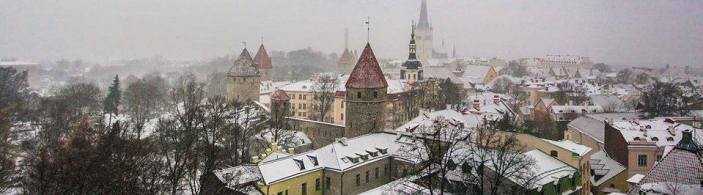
<point x="477" y="104"/>
<point x="496" y="99"/>
<point x="687" y="142"/>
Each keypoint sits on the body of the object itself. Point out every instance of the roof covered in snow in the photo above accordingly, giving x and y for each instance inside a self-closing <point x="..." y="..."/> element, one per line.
<point x="661" y="131"/>
<point x="569" y="145"/>
<point x="604" y="167"/>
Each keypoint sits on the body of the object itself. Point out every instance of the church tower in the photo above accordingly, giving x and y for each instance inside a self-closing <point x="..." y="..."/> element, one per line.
<point x="423" y="35"/>
<point x="263" y="62"/>
<point x="346" y="61"/>
<point x="365" y="96"/>
<point x="243" y="79"/>
<point x="412" y="68"/>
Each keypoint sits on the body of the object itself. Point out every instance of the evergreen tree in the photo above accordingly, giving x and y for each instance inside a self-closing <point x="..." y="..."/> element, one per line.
<point x="112" y="101"/>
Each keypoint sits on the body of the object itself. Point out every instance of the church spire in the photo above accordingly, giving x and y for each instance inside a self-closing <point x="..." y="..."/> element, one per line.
<point x="424" y="21"/>
<point x="412" y="47"/>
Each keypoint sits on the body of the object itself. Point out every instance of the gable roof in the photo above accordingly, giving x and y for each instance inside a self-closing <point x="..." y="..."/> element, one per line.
<point x="262" y="58"/>
<point x="367" y="74"/>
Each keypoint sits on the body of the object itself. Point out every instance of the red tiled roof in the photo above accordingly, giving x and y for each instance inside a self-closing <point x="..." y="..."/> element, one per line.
<point x="262" y="58"/>
<point x="280" y="95"/>
<point x="367" y="73"/>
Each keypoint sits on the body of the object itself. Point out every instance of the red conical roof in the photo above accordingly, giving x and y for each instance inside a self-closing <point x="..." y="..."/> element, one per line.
<point x="262" y="58"/>
<point x="280" y="95"/>
<point x="367" y="73"/>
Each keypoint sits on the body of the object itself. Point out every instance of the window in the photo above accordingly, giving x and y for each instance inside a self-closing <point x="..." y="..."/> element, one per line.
<point x="642" y="160"/>
<point x="328" y="182"/>
<point x="300" y="96"/>
<point x="279" y="193"/>
<point x="342" y="104"/>
<point x="367" y="176"/>
<point x="342" y="116"/>
<point x="305" y="97"/>
<point x="375" y="94"/>
<point x="358" y="179"/>
<point x="554" y="153"/>
<point x="358" y="94"/>
<point x="292" y="96"/>
<point x="375" y="172"/>
<point x="659" y="157"/>
<point x="304" y="189"/>
<point x="317" y="184"/>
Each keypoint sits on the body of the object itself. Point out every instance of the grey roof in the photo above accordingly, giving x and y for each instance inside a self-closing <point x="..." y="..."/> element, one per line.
<point x="244" y="66"/>
<point x="594" y="124"/>
<point x="680" y="166"/>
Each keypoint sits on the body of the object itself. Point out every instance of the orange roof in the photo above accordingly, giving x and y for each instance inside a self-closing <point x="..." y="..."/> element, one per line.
<point x="367" y="73"/>
<point x="262" y="58"/>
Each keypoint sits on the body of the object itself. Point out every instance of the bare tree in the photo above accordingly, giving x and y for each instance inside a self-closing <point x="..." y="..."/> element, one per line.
<point x="324" y="89"/>
<point x="143" y="100"/>
<point x="178" y="135"/>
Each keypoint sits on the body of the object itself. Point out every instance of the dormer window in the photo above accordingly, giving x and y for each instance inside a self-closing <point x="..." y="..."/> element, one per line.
<point x="299" y="163"/>
<point x="655" y="139"/>
<point x="382" y="150"/>
<point x="671" y="139"/>
<point x="353" y="159"/>
<point x="637" y="139"/>
<point x="313" y="159"/>
<point x="363" y="156"/>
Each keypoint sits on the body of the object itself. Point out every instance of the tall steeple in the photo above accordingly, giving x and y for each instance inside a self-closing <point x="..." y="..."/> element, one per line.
<point x="424" y="21"/>
<point x="412" y="68"/>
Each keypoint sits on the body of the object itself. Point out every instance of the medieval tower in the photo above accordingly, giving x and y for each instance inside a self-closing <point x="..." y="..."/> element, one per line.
<point x="346" y="61"/>
<point x="263" y="61"/>
<point x="423" y="35"/>
<point x="412" y="68"/>
<point x="280" y="109"/>
<point x="365" y="96"/>
<point x="243" y="79"/>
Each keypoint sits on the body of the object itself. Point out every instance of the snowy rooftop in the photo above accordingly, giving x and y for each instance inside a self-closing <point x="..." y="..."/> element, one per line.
<point x="571" y="146"/>
<point x="661" y="131"/>
<point x="605" y="167"/>
<point x="400" y="186"/>
<point x="426" y="120"/>
<point x="338" y="156"/>
<point x="557" y="109"/>
<point x="548" y="169"/>
<point x="394" y="86"/>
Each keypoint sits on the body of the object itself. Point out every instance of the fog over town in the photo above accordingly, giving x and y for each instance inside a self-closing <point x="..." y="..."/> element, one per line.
<point x="314" y="97"/>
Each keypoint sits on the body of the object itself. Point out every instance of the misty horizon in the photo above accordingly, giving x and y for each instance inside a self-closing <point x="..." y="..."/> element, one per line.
<point x="635" y="34"/>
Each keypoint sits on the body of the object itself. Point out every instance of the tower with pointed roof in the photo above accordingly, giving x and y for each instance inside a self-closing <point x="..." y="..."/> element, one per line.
<point x="412" y="68"/>
<point x="423" y="35"/>
<point x="365" y="96"/>
<point x="280" y="108"/>
<point x="263" y="61"/>
<point x="346" y="61"/>
<point x="243" y="79"/>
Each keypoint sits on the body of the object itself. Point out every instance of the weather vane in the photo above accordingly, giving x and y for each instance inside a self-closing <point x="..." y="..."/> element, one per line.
<point x="368" y="28"/>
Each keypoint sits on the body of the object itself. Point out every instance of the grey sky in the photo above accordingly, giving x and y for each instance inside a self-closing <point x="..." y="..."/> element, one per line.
<point x="619" y="32"/>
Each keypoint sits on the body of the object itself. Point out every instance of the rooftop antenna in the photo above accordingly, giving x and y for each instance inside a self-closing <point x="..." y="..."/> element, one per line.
<point x="368" y="28"/>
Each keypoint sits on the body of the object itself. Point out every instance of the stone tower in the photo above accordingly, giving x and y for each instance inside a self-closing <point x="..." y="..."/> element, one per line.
<point x="280" y="108"/>
<point x="263" y="61"/>
<point x="412" y="68"/>
<point x="365" y="96"/>
<point x="243" y="79"/>
<point x="346" y="61"/>
<point x="423" y="35"/>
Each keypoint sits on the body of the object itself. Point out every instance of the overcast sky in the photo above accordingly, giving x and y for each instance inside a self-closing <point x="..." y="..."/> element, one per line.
<point x="617" y="32"/>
